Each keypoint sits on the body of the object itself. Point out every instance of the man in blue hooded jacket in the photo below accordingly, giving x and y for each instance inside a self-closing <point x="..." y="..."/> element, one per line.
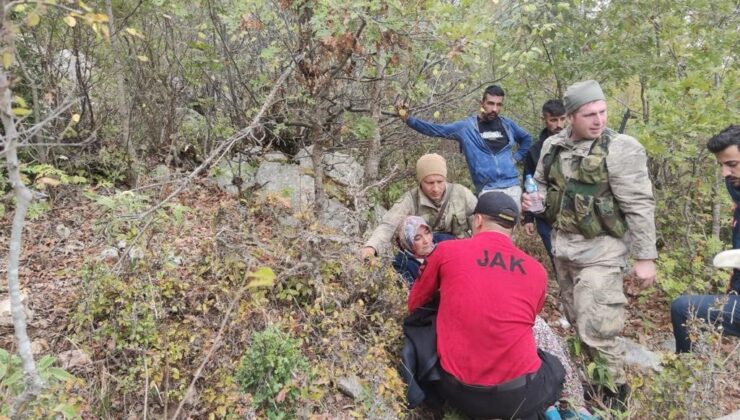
<point x="716" y="309"/>
<point x="487" y="140"/>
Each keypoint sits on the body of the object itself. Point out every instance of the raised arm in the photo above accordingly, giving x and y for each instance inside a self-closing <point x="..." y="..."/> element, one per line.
<point x="451" y="131"/>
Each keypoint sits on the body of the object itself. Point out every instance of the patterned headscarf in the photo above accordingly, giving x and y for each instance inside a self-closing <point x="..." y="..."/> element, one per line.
<point x="406" y="231"/>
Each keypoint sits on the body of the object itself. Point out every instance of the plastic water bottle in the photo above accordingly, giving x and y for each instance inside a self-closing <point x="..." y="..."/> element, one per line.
<point x="531" y="187"/>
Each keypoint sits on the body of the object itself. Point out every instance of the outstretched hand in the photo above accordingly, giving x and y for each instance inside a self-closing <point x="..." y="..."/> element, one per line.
<point x="402" y="109"/>
<point x="366" y="252"/>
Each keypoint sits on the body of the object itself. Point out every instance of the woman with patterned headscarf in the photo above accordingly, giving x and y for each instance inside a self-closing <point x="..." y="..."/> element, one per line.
<point x="415" y="239"/>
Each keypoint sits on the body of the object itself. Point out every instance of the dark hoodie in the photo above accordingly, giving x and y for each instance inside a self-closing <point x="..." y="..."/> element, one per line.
<point x="530" y="165"/>
<point x="735" y="194"/>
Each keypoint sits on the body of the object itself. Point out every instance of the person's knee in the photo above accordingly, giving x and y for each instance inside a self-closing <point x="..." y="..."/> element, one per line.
<point x="605" y="316"/>
<point x="680" y="308"/>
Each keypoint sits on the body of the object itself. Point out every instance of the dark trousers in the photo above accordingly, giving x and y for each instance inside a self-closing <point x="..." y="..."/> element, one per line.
<point x="544" y="229"/>
<point x="521" y="398"/>
<point x="704" y="307"/>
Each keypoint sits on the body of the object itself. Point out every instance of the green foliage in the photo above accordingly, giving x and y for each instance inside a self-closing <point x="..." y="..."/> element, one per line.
<point x="690" y="385"/>
<point x="40" y="171"/>
<point x="598" y="373"/>
<point x="42" y="176"/>
<point x="359" y="128"/>
<point x="270" y="370"/>
<point x="55" y="400"/>
<point x="109" y="166"/>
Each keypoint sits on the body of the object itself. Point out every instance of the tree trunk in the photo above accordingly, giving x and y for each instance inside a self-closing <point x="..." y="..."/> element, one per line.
<point x="23" y="196"/>
<point x="372" y="161"/>
<point x="317" y="155"/>
<point x="124" y="110"/>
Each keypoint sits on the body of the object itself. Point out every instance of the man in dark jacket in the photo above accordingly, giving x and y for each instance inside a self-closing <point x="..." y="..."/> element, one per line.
<point x="553" y="115"/>
<point x="726" y="148"/>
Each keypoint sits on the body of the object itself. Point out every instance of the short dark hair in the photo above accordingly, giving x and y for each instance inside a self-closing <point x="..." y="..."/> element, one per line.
<point x="730" y="136"/>
<point x="553" y="107"/>
<point x="494" y="90"/>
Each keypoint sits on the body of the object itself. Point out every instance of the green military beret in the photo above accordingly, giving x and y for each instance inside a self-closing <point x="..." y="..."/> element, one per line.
<point x="582" y="93"/>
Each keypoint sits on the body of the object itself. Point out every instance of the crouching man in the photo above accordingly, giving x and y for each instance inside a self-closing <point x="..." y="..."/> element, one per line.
<point x="446" y="207"/>
<point x="490" y="293"/>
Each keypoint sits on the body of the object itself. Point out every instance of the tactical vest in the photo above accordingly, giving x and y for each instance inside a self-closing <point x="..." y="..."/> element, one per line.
<point x="584" y="203"/>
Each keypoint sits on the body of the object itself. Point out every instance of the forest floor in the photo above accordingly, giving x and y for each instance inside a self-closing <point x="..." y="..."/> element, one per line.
<point x="60" y="244"/>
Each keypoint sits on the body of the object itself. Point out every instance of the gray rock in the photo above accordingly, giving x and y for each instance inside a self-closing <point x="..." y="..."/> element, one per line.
<point x="6" y="318"/>
<point x="287" y="180"/>
<point x="276" y="156"/>
<point x="174" y="259"/>
<point x="351" y="386"/>
<point x="193" y="125"/>
<point x="108" y="254"/>
<point x="341" y="167"/>
<point x="638" y="355"/>
<point x="288" y="221"/>
<point x="668" y="345"/>
<point x="731" y="416"/>
<point x="226" y="171"/>
<point x="161" y="172"/>
<point x="63" y="231"/>
<point x="339" y="218"/>
<point x="136" y="253"/>
<point x="74" y="358"/>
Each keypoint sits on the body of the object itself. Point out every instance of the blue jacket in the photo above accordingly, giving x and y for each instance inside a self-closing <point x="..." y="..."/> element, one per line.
<point x="487" y="170"/>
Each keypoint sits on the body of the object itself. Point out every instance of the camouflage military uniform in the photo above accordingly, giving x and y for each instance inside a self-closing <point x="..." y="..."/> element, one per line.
<point x="591" y="268"/>
<point x="456" y="220"/>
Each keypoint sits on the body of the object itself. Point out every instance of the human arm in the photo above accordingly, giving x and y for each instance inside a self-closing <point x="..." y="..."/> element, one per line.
<point x="523" y="139"/>
<point x="539" y="171"/>
<point x="633" y="190"/>
<point x="428" y="283"/>
<point x="631" y="186"/>
<point x="470" y="202"/>
<point x="383" y="233"/>
<point x="451" y="131"/>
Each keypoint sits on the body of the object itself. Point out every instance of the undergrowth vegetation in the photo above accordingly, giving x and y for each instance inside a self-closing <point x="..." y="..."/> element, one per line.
<point x="153" y="319"/>
<point x="691" y="385"/>
<point x="60" y="398"/>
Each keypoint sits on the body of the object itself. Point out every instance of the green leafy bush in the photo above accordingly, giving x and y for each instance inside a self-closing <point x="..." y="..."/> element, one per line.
<point x="54" y="400"/>
<point x="269" y="368"/>
<point x="691" y="385"/>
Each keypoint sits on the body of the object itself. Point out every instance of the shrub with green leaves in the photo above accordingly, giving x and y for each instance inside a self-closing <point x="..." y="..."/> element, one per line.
<point x="55" y="399"/>
<point x="269" y="368"/>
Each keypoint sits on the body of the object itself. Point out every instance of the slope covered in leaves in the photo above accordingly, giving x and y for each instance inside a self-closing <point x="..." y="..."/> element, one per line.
<point x="211" y="279"/>
<point x="148" y="322"/>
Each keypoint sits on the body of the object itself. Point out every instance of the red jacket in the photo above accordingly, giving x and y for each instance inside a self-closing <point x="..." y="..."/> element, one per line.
<point x="490" y="292"/>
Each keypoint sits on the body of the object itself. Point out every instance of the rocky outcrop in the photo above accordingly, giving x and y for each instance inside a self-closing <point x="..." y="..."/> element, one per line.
<point x="275" y="173"/>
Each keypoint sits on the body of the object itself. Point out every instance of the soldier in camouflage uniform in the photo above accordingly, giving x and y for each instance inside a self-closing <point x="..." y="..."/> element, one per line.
<point x="597" y="194"/>
<point x="446" y="207"/>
